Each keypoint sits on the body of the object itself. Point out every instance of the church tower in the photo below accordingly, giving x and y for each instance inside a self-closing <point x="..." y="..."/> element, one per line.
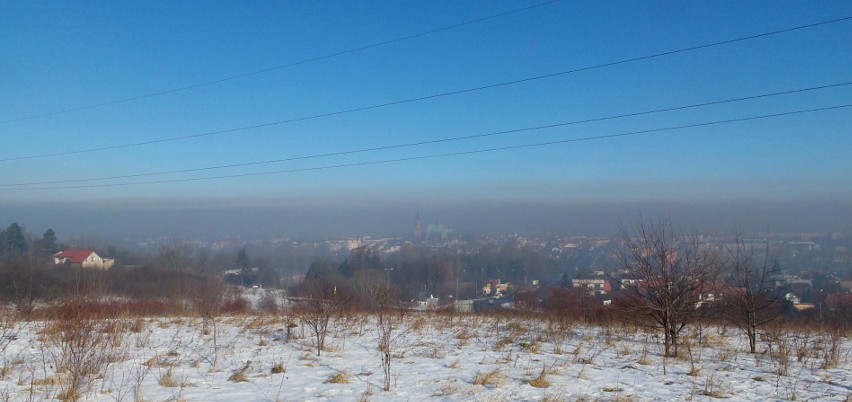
<point x="418" y="228"/>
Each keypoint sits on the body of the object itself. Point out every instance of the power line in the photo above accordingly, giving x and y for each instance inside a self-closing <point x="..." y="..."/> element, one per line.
<point x="283" y="66"/>
<point x="427" y="97"/>
<point x="451" y="154"/>
<point x="436" y="141"/>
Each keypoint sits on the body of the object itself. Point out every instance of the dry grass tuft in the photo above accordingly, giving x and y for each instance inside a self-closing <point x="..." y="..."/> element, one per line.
<point x="55" y="380"/>
<point x="515" y="327"/>
<point x="419" y="324"/>
<point x="448" y="389"/>
<point x="240" y="375"/>
<point x="279" y="368"/>
<point x="503" y="343"/>
<point x="168" y="380"/>
<point x="339" y="378"/>
<point x="532" y="346"/>
<point x="137" y="326"/>
<point x="540" y="381"/>
<point x="494" y="378"/>
<point x="558" y="397"/>
<point x="70" y="394"/>
<point x="158" y="361"/>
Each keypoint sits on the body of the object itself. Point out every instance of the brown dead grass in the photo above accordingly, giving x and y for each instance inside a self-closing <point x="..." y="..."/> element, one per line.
<point x="339" y="378"/>
<point x="168" y="380"/>
<point x="240" y="375"/>
<point x="494" y="378"/>
<point x="540" y="381"/>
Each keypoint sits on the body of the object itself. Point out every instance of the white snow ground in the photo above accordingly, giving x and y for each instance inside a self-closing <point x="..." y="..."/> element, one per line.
<point x="436" y="358"/>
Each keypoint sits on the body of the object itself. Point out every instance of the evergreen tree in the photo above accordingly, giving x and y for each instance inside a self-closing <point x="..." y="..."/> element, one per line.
<point x="14" y="240"/>
<point x="47" y="244"/>
<point x="243" y="261"/>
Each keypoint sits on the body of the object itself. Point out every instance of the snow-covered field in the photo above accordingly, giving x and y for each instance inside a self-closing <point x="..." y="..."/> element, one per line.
<point x="434" y="357"/>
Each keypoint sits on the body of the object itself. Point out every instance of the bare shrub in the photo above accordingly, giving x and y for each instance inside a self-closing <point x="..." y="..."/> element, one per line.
<point x="129" y="383"/>
<point x="80" y="346"/>
<point x="643" y="358"/>
<point x="713" y="388"/>
<point x="268" y="303"/>
<point x="322" y="301"/>
<point x="389" y="317"/>
<point x="779" y="348"/>
<point x="9" y="328"/>
<point x="831" y="351"/>
<point x="208" y="303"/>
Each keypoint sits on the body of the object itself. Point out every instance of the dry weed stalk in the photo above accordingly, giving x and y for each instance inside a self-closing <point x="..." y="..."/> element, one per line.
<point x="694" y="370"/>
<point x="779" y="348"/>
<point x="831" y="350"/>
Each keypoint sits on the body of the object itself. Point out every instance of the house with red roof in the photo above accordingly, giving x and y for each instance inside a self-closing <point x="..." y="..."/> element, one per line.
<point x="82" y="258"/>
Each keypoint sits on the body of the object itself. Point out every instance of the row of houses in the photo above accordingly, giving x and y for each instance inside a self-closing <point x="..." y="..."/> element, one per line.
<point x="599" y="285"/>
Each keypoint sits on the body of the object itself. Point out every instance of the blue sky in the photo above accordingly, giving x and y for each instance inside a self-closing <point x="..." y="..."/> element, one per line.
<point x="69" y="55"/>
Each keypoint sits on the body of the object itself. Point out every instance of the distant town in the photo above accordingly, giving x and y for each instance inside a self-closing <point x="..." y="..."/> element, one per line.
<point x="435" y="266"/>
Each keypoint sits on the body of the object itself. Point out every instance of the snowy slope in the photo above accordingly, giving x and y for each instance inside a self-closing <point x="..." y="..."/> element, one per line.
<point x="435" y="357"/>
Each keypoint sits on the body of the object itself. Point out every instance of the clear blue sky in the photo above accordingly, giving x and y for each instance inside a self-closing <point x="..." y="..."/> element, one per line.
<point x="66" y="55"/>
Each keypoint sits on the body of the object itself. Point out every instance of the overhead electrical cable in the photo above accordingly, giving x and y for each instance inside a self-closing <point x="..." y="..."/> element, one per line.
<point x="427" y="97"/>
<point x="450" y="154"/>
<point x="283" y="66"/>
<point x="435" y="141"/>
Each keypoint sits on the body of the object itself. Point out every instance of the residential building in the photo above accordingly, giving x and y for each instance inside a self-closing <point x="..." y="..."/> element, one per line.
<point x="82" y="258"/>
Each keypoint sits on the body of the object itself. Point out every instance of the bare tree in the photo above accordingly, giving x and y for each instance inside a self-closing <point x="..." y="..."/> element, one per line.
<point x="175" y="255"/>
<point x="367" y="285"/>
<point x="322" y="301"/>
<point x="672" y="268"/>
<point x="749" y="300"/>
